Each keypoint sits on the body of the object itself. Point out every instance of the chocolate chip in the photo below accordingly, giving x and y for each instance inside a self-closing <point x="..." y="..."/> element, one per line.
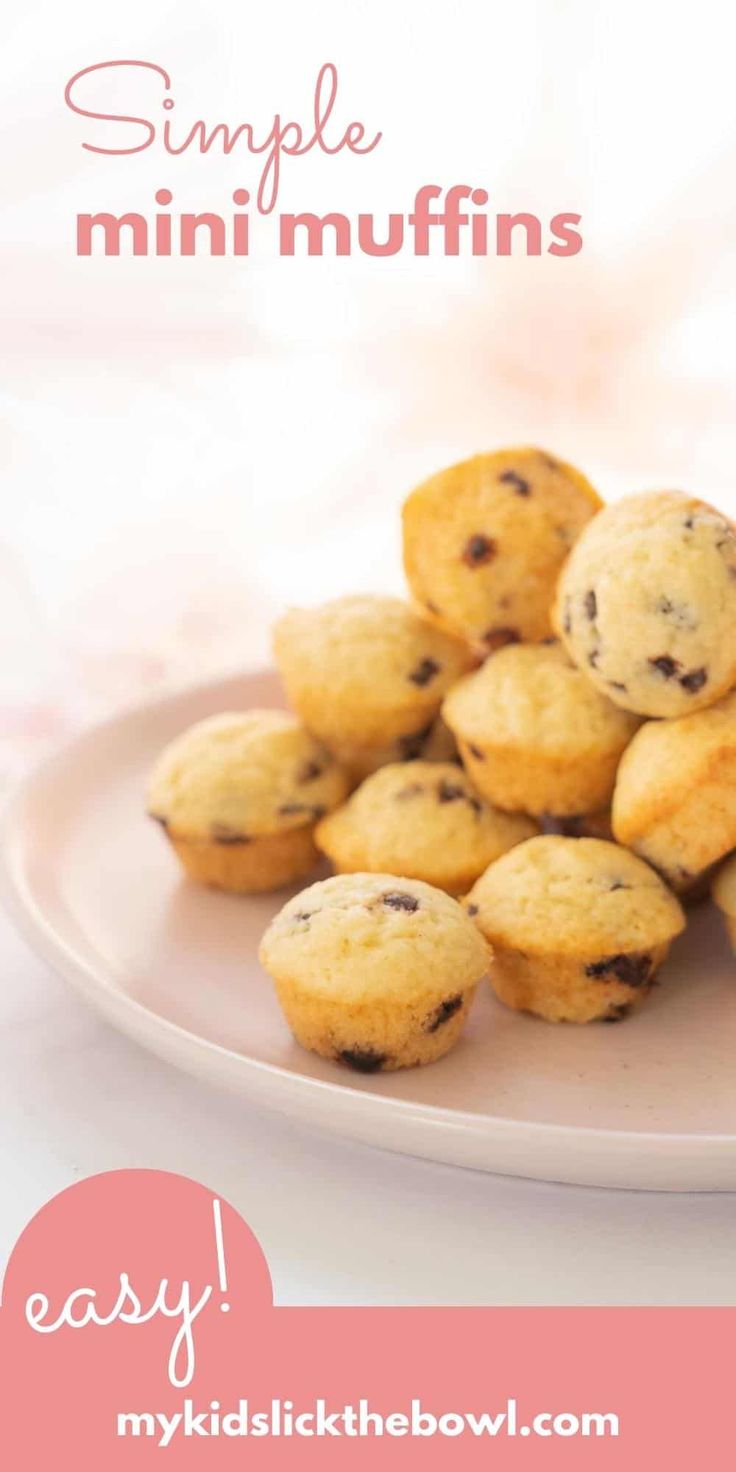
<point x="590" y="604"/>
<point x="450" y="791"/>
<point x="729" y="543"/>
<point x="410" y="746"/>
<point x="498" y="638"/>
<point x="304" y="914"/>
<point x="302" y="809"/>
<point x="309" y="772"/>
<point x="443" y="1013"/>
<point x="617" y="1014"/>
<point x="568" y="827"/>
<point x="476" y="752"/>
<point x="219" y="833"/>
<point x="454" y="792"/>
<point x="478" y="550"/>
<point x="679" y="614"/>
<point x="472" y="910"/>
<point x="396" y="899"/>
<point x="412" y="752"/>
<point x="593" y="658"/>
<point x="665" y="665"/>
<point x="631" y="970"/>
<point x="363" y="1060"/>
<point x="694" y="680"/>
<point x="689" y="523"/>
<point x="424" y="672"/>
<point x="521" y="486"/>
<point x="412" y="790"/>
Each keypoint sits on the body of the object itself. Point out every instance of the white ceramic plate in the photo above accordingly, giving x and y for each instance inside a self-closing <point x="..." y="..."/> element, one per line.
<point x="649" y="1103"/>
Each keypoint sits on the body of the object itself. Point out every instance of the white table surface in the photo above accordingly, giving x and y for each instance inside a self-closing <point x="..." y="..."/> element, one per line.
<point x="340" y="1224"/>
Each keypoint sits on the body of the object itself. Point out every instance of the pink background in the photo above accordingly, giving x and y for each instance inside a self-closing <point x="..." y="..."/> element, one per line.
<point x="666" y="1372"/>
<point x="186" y="445"/>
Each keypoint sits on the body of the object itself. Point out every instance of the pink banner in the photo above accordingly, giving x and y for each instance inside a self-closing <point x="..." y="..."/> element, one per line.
<point x="137" y="1319"/>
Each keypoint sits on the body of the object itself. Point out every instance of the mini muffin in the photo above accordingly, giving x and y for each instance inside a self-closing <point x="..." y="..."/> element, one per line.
<point x="675" y="797"/>
<point x="239" y="795"/>
<point x="434" y="743"/>
<point x="578" y="927"/>
<point x="424" y="821"/>
<point x="484" y="542"/>
<point x="364" y="672"/>
<point x="535" y="735"/>
<point x="646" y="604"/>
<point x="724" y="894"/>
<point x="373" y="971"/>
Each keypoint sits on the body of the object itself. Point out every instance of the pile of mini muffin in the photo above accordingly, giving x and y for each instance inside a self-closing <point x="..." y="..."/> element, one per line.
<point x="522" y="773"/>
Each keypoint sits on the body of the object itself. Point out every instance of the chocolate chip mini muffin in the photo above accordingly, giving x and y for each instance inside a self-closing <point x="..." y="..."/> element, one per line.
<point x="365" y="672"/>
<point x="646" y="604"/>
<point x="423" y="820"/>
<point x="239" y="795"/>
<point x="535" y="735"/>
<point x="578" y="927"/>
<point x="724" y="894"/>
<point x="484" y="542"/>
<point x="675" y="797"/>
<point x="374" y="972"/>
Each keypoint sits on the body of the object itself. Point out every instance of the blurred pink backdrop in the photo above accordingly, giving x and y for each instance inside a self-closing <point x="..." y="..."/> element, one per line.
<point x="189" y="444"/>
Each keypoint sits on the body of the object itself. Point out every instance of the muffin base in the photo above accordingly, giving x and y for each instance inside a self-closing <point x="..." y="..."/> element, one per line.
<point x="519" y="781"/>
<point x="730" y="927"/>
<point x="372" y="1039"/>
<point x="563" y="988"/>
<point x="685" y="846"/>
<point x="691" y="891"/>
<point x="252" y="866"/>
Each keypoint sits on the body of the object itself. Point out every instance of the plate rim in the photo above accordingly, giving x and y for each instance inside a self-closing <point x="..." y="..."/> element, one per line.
<point x="148" y="1027"/>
